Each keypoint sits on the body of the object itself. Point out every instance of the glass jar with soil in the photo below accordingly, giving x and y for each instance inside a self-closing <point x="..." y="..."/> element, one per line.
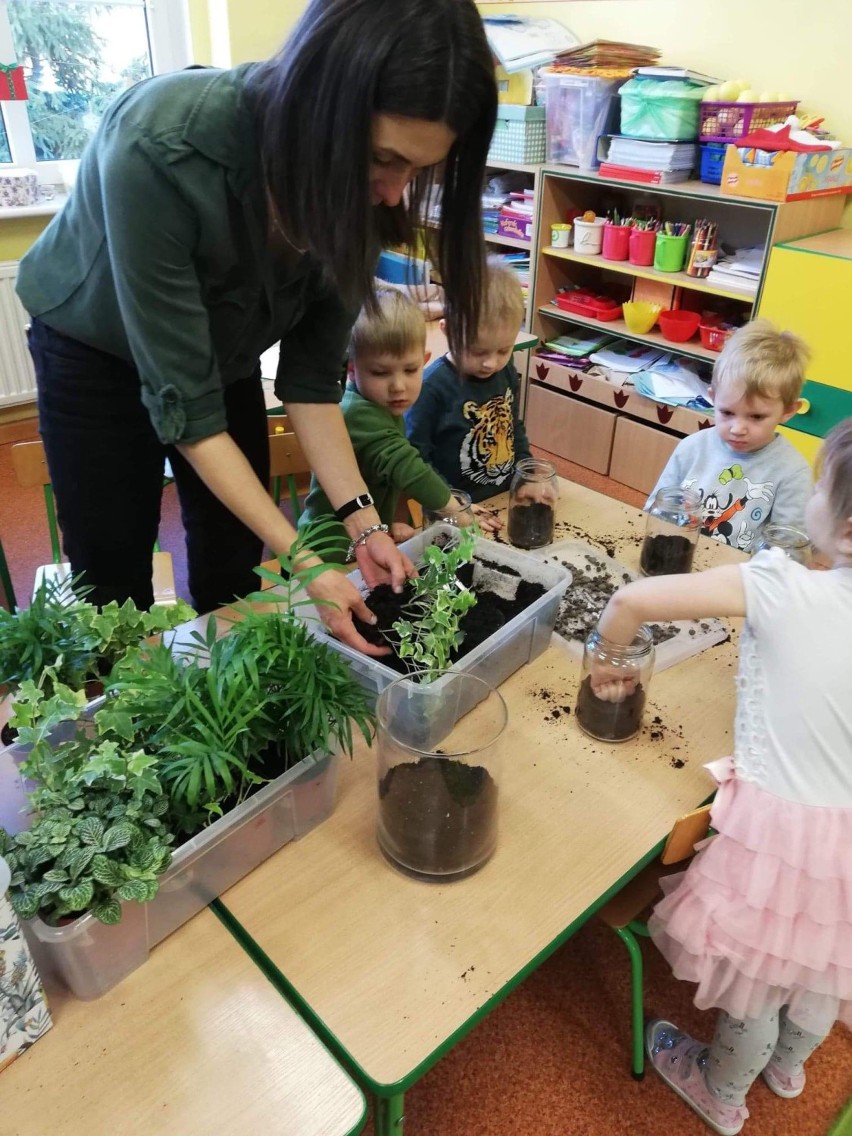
<point x="792" y="542"/>
<point x="439" y="750"/>
<point x="614" y="686"/>
<point x="532" y="503"/>
<point x="671" y="532"/>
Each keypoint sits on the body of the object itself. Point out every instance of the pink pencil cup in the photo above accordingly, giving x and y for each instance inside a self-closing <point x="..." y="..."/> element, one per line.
<point x="615" y="241"/>
<point x="642" y="244"/>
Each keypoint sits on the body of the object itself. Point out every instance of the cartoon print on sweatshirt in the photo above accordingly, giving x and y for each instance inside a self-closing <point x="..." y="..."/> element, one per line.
<point x="488" y="449"/>
<point x="748" y="502"/>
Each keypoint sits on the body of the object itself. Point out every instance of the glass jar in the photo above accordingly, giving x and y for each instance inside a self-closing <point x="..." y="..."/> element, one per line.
<point x="464" y="505"/>
<point x="611" y="710"/>
<point x="672" y="529"/>
<point x="792" y="542"/>
<point x="532" y="503"/>
<point x="439" y="749"/>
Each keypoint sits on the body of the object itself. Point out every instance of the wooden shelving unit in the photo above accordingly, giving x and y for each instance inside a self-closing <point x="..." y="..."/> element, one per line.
<point x="554" y="405"/>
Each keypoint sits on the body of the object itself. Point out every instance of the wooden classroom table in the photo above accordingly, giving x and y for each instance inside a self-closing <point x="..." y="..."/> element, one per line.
<point x="393" y="972"/>
<point x="195" y="1042"/>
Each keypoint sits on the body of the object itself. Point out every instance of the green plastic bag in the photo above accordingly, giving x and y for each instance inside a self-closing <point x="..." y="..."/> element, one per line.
<point x="664" y="110"/>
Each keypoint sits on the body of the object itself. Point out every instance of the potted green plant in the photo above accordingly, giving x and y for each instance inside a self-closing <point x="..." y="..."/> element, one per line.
<point x="243" y="735"/>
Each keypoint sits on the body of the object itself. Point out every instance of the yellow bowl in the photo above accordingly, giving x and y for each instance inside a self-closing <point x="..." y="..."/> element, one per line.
<point x="640" y="316"/>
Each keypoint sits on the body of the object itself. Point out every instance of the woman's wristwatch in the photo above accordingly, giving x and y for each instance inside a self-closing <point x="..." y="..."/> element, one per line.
<point x="362" y="501"/>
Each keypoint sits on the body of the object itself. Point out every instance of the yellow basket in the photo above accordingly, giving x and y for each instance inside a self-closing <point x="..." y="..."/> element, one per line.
<point x="641" y="316"/>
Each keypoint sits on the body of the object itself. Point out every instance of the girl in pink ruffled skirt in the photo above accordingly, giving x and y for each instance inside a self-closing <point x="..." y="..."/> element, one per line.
<point x="762" y="918"/>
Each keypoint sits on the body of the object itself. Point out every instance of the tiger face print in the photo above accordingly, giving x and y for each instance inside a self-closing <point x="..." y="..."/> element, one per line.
<point x="488" y="449"/>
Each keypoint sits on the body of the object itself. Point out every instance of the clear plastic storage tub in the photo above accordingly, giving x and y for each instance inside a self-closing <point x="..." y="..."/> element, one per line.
<point x="89" y="957"/>
<point x="579" y="109"/>
<point x="516" y="643"/>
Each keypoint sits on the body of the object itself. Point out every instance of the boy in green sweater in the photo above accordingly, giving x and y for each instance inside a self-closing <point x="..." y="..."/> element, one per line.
<point x="387" y="353"/>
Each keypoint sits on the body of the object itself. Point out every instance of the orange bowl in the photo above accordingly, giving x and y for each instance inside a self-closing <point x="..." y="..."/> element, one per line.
<point x="678" y="327"/>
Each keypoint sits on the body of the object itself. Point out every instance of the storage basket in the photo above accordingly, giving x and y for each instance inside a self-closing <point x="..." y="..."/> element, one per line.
<point x="724" y="122"/>
<point x="580" y="108"/>
<point x="660" y="110"/>
<point x="714" y="336"/>
<point x="519" y="134"/>
<point x="712" y="162"/>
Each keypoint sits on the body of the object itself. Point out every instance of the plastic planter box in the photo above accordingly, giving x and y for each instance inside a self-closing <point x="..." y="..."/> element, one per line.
<point x="89" y="958"/>
<point x="516" y="643"/>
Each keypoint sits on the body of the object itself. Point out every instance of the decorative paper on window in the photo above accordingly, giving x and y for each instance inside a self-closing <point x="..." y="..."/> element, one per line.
<point x="12" y="85"/>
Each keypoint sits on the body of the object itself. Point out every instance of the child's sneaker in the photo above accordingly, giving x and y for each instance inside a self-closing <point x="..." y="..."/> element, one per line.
<point x="782" y="1084"/>
<point x="681" y="1060"/>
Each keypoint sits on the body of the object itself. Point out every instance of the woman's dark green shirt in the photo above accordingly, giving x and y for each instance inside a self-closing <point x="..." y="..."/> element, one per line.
<point x="161" y="257"/>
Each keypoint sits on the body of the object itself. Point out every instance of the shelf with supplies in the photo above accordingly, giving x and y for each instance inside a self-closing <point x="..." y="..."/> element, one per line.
<point x="509" y="242"/>
<point x="614" y="438"/>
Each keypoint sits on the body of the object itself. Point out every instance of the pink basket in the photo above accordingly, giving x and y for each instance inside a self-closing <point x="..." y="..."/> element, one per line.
<point x="725" y="122"/>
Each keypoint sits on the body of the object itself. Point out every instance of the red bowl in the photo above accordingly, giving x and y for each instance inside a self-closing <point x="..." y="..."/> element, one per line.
<point x="679" y="326"/>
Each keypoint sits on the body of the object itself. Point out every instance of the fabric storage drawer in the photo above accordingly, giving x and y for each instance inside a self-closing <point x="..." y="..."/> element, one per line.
<point x="571" y="429"/>
<point x="519" y="134"/>
<point x="639" y="454"/>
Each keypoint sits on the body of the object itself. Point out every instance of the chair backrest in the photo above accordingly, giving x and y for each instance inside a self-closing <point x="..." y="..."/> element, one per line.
<point x="287" y="460"/>
<point x="685" y="834"/>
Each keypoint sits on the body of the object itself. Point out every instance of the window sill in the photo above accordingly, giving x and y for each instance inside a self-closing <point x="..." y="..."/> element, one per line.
<point x="41" y="209"/>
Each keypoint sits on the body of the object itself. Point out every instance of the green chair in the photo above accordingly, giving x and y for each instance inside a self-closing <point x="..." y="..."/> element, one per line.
<point x="6" y="582"/>
<point x="626" y="913"/>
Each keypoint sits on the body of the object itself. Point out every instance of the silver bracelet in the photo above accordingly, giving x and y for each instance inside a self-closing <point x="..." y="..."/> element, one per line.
<point x="362" y="538"/>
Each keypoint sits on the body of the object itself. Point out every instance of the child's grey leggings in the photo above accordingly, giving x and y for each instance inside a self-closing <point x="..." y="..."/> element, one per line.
<point x="741" y="1049"/>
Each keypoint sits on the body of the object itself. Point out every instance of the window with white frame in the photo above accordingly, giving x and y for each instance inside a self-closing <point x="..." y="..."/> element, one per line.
<point x="79" y="55"/>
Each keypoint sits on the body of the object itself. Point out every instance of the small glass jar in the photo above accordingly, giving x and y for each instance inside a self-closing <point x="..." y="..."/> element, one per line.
<point x="672" y="529"/>
<point x="792" y="542"/>
<point x="465" y="507"/>
<point x="611" y="710"/>
<point x="532" y="503"/>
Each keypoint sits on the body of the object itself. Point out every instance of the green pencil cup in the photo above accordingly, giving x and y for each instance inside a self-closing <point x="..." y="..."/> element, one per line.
<point x="670" y="252"/>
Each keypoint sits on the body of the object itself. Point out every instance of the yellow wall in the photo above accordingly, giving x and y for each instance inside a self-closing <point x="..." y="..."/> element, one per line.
<point x="258" y="28"/>
<point x="17" y="234"/>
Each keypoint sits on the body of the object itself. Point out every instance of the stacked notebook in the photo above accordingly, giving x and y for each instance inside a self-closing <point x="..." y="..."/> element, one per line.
<point x="652" y="162"/>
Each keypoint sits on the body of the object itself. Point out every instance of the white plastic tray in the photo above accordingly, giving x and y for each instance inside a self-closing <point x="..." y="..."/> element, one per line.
<point x="693" y="636"/>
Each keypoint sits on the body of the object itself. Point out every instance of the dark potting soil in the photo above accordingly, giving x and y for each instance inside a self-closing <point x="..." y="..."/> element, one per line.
<point x="609" y="721"/>
<point x="8" y="734"/>
<point x="438" y="816"/>
<point x="531" y="526"/>
<point x="664" y="555"/>
<point x="488" y="615"/>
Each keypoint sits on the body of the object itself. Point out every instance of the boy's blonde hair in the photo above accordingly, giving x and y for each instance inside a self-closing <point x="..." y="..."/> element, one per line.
<point x="394" y="326"/>
<point x="834" y="467"/>
<point x="502" y="299"/>
<point x="764" y="362"/>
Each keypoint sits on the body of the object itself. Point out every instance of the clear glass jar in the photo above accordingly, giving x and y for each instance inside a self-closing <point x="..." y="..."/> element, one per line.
<point x="611" y="709"/>
<point x="672" y="529"/>
<point x="532" y="503"/>
<point x="465" y="507"/>
<point x="792" y="541"/>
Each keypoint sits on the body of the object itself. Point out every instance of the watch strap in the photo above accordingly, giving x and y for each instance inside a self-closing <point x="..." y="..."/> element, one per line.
<point x="362" y="501"/>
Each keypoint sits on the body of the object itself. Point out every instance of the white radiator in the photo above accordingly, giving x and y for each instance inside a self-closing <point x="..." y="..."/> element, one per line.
<point x="17" y="379"/>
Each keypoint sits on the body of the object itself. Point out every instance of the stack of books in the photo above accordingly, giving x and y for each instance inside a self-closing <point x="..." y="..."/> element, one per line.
<point x="740" y="270"/>
<point x="654" y="163"/>
<point x="609" y="54"/>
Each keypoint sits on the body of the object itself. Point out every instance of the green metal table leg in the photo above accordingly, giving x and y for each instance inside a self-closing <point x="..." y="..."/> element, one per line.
<point x="638" y="1010"/>
<point x="390" y="1115"/>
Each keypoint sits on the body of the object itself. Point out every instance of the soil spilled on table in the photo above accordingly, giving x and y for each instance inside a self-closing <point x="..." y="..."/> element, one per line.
<point x="664" y="555"/>
<point x="438" y="816"/>
<point x="609" y="721"/>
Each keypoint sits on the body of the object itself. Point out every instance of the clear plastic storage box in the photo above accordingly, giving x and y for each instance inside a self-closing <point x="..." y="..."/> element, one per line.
<point x="580" y="108"/>
<point x="516" y="643"/>
<point x="89" y="957"/>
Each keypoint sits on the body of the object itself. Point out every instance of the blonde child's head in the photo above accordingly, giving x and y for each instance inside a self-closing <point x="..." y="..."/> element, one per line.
<point x="757" y="383"/>
<point x="387" y="351"/>
<point x="500" y="321"/>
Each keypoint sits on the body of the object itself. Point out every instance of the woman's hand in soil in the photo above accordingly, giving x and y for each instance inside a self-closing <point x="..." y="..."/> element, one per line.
<point x="337" y="600"/>
<point x="401" y="532"/>
<point x="381" y="562"/>
<point x="487" y="521"/>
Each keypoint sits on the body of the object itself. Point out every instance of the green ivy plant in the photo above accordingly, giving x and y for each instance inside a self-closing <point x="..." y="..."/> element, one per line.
<point x="98" y="836"/>
<point x="430" y="630"/>
<point x="115" y="628"/>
